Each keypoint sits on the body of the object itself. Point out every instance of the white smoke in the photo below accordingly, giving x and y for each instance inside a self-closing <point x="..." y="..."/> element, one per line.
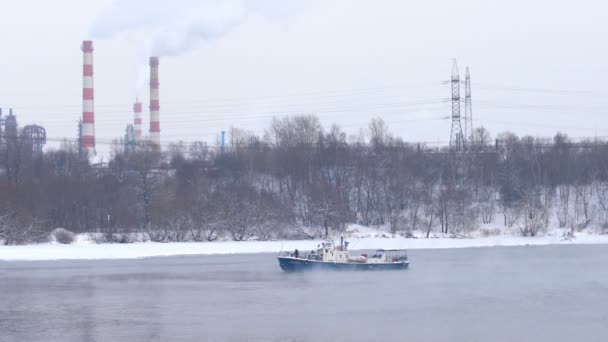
<point x="171" y="28"/>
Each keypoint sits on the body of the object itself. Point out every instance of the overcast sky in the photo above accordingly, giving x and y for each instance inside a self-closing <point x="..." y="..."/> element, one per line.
<point x="537" y="67"/>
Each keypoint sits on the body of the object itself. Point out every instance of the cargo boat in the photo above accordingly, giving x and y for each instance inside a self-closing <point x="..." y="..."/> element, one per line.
<point x="338" y="258"/>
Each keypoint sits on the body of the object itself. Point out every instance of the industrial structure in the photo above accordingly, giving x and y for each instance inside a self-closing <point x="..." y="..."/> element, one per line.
<point x="31" y="138"/>
<point x="456" y="136"/>
<point x="34" y="138"/>
<point x="130" y="140"/>
<point x="458" y="141"/>
<point x="86" y="130"/>
<point x="154" y="103"/>
<point x="137" y="109"/>
<point x="10" y="129"/>
<point x="468" y="110"/>
<point x="88" y="108"/>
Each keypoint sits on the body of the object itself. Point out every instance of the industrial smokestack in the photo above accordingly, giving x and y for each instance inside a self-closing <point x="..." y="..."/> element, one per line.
<point x="10" y="128"/>
<point x="137" y="120"/>
<point x="154" y="103"/>
<point x="88" y="109"/>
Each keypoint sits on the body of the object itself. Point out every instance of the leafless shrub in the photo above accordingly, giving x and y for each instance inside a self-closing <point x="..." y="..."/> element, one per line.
<point x="298" y="232"/>
<point x="5" y="230"/>
<point x="17" y="232"/>
<point x="582" y="206"/>
<point x="487" y="204"/>
<point x="63" y="236"/>
<point x="158" y="233"/>
<point x="604" y="229"/>
<point x="179" y="227"/>
<point x="488" y="232"/>
<point x="120" y="238"/>
<point x="535" y="216"/>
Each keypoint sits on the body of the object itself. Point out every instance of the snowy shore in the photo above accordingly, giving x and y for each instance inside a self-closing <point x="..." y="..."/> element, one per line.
<point x="84" y="249"/>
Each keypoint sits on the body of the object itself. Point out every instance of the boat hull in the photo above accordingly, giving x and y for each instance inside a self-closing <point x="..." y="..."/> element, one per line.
<point x="291" y="264"/>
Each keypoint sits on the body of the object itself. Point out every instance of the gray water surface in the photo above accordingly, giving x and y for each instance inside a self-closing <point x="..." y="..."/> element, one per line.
<point x="553" y="293"/>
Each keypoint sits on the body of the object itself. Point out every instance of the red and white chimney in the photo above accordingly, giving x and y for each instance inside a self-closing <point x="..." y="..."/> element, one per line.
<point x="137" y="109"/>
<point x="88" y="109"/>
<point x="154" y="103"/>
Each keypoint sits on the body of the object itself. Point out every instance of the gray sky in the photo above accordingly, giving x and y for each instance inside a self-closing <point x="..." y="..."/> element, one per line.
<point x="537" y="67"/>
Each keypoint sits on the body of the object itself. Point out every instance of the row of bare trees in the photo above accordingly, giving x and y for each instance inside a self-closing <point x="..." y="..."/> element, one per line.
<point x="299" y="180"/>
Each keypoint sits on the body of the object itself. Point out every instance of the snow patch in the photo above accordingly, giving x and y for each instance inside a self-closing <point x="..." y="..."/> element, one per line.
<point x="359" y="237"/>
<point x="362" y="232"/>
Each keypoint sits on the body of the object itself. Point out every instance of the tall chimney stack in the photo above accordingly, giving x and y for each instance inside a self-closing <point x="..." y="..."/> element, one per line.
<point x="137" y="120"/>
<point x="154" y="103"/>
<point x="88" y="109"/>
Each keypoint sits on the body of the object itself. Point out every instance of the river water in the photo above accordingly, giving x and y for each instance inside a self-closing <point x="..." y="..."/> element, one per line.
<point x="552" y="293"/>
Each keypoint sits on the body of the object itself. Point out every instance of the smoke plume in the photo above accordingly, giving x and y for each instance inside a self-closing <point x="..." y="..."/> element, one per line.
<point x="171" y="28"/>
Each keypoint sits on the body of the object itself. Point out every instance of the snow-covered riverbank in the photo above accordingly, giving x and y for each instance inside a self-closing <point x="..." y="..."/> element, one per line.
<point x="360" y="239"/>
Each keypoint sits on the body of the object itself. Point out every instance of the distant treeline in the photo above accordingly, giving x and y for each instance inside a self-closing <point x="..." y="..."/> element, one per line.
<point x="300" y="180"/>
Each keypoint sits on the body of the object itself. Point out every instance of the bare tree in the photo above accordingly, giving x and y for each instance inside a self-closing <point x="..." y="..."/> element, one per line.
<point x="329" y="210"/>
<point x="535" y="215"/>
<point x="582" y="205"/>
<point x="481" y="139"/>
<point x="145" y="162"/>
<point x="563" y="204"/>
<point x="199" y="150"/>
<point x="305" y="178"/>
<point x="487" y="204"/>
<point x="378" y="132"/>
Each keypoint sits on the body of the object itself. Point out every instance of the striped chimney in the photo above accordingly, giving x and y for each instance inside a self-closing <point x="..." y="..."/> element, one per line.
<point x="88" y="109"/>
<point x="154" y="103"/>
<point x="137" y="119"/>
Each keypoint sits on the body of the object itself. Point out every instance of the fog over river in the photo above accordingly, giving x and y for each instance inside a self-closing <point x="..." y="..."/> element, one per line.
<point x="549" y="293"/>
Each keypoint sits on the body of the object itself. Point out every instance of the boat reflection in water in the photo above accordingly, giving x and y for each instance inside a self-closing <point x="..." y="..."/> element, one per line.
<point x="331" y="257"/>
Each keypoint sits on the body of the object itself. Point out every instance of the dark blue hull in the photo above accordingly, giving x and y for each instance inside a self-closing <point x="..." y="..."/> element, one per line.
<point x="290" y="264"/>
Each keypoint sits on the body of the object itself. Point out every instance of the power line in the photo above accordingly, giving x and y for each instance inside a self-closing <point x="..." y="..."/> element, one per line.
<point x="527" y="123"/>
<point x="271" y="98"/>
<point x="484" y="86"/>
<point x="296" y="107"/>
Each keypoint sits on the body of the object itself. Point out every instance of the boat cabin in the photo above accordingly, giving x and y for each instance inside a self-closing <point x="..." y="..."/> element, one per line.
<point x="330" y="253"/>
